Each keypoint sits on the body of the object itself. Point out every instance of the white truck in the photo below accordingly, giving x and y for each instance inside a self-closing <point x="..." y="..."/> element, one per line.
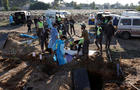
<point x="54" y="13"/>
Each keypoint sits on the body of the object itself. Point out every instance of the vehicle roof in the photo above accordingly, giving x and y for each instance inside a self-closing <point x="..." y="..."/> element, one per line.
<point x="130" y="12"/>
<point x="21" y="11"/>
<point x="56" y="12"/>
<point x="115" y="15"/>
<point x="130" y="17"/>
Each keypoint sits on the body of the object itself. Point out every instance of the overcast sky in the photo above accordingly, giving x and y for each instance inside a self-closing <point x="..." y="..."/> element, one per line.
<point x="99" y="1"/>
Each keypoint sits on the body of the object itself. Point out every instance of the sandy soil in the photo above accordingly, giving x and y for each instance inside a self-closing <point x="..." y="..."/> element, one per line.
<point x="20" y="71"/>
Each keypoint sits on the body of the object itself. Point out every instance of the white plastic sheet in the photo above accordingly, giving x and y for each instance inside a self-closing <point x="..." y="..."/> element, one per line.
<point x="74" y="52"/>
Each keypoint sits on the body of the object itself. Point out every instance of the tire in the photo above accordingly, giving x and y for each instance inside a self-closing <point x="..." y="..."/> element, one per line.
<point x="117" y="35"/>
<point x="126" y="35"/>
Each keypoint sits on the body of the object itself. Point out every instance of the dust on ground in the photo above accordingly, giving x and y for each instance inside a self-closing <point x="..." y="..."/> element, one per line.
<point x="20" y="71"/>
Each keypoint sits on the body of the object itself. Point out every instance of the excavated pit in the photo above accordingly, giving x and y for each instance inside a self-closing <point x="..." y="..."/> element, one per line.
<point x="96" y="81"/>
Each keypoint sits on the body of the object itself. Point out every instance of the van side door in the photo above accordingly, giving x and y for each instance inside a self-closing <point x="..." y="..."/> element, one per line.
<point x="136" y="27"/>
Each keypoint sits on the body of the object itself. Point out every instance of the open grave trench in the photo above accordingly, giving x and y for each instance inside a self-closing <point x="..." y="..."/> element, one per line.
<point x="41" y="72"/>
<point x="98" y="73"/>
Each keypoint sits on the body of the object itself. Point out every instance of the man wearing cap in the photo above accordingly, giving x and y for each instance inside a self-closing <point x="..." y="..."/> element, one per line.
<point x="109" y="33"/>
<point x="40" y="33"/>
<point x="85" y="35"/>
<point x="99" y="37"/>
<point x="29" y="23"/>
<point x="40" y="27"/>
<point x="72" y="22"/>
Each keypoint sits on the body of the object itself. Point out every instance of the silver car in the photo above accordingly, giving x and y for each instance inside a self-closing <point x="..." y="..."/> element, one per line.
<point x="129" y="26"/>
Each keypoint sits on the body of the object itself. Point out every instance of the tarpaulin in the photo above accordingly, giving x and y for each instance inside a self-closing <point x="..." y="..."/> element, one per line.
<point x="28" y="36"/>
<point x="61" y="53"/>
<point x="54" y="35"/>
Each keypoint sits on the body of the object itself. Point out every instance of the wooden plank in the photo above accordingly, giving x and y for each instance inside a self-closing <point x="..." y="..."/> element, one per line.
<point x="3" y="39"/>
<point x="81" y="80"/>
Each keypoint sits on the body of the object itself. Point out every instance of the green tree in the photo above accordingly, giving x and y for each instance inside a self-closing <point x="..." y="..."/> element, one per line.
<point x="56" y="3"/>
<point x="106" y="5"/>
<point x="126" y="6"/>
<point x="138" y="8"/>
<point x="73" y="4"/>
<point x="92" y="5"/>
<point x="39" y="6"/>
<point x="6" y="4"/>
<point x="0" y="2"/>
<point x="132" y="6"/>
<point x="18" y="3"/>
<point x="77" y="7"/>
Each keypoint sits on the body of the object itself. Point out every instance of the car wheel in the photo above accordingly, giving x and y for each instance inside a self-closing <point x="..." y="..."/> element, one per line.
<point x="126" y="35"/>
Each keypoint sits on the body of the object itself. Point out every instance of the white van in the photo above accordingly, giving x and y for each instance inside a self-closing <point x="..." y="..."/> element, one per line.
<point x="130" y="13"/>
<point x="54" y="13"/>
<point x="129" y="26"/>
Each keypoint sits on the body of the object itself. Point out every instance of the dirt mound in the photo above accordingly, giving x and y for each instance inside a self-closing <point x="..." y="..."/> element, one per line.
<point x="15" y="48"/>
<point x="41" y="81"/>
<point x="80" y="18"/>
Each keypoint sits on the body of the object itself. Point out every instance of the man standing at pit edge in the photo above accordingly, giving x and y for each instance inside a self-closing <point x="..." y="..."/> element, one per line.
<point x="85" y="35"/>
<point x="99" y="37"/>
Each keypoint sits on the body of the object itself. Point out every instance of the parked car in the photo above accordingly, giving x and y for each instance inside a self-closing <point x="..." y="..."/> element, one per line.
<point x="128" y="26"/>
<point x="130" y="13"/>
<point x="54" y="13"/>
<point x="20" y="17"/>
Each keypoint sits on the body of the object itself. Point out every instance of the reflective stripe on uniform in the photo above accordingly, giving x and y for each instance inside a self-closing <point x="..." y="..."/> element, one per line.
<point x="59" y="19"/>
<point x="60" y="32"/>
<point x="98" y="30"/>
<point x="40" y="24"/>
<point x="106" y="21"/>
<point x="71" y="43"/>
<point x="81" y="41"/>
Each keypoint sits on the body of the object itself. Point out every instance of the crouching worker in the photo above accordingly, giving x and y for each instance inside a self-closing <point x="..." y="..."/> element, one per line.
<point x="99" y="37"/>
<point x="77" y="45"/>
<point x="85" y="35"/>
<point x="60" y="52"/>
